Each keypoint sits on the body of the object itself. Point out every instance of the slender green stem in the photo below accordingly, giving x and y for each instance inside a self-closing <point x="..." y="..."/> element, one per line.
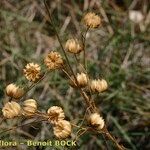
<point x="83" y="131"/>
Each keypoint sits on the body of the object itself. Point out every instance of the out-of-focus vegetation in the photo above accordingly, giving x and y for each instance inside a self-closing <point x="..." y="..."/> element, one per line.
<point x="118" y="51"/>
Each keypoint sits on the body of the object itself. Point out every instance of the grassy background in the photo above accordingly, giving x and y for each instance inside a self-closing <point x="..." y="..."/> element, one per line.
<point x="115" y="52"/>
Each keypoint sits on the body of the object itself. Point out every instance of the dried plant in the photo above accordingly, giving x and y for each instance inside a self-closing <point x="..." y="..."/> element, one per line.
<point x="80" y="81"/>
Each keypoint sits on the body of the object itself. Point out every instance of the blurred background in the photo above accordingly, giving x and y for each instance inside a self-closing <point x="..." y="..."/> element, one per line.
<point x="119" y="51"/>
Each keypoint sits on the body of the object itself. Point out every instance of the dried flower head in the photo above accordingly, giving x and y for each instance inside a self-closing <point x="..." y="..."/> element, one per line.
<point x="32" y="72"/>
<point x="11" y="110"/>
<point x="55" y="114"/>
<point x="14" y="91"/>
<point x="98" y="85"/>
<point x="53" y="60"/>
<point x="63" y="129"/>
<point x="92" y="20"/>
<point x="82" y="80"/>
<point x="96" y="121"/>
<point x="73" y="46"/>
<point x="29" y="107"/>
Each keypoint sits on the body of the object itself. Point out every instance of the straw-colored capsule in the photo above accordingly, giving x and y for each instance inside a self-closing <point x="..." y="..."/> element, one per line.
<point x="98" y="85"/>
<point x="14" y="91"/>
<point x="82" y="80"/>
<point x="92" y="20"/>
<point x="53" y="60"/>
<point x="55" y="114"/>
<point x="29" y="107"/>
<point x="11" y="110"/>
<point x="63" y="129"/>
<point x="73" y="46"/>
<point x="32" y="72"/>
<point x="96" y="121"/>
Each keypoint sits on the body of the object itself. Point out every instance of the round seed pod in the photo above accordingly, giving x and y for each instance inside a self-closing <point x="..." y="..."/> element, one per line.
<point x="32" y="72"/>
<point x="55" y="114"/>
<point x="82" y="80"/>
<point x="11" y="110"/>
<point x="14" y="91"/>
<point x="29" y="107"/>
<point x="98" y="85"/>
<point x="96" y="121"/>
<point x="91" y="20"/>
<point x="63" y="129"/>
<point x="54" y="60"/>
<point x="73" y="46"/>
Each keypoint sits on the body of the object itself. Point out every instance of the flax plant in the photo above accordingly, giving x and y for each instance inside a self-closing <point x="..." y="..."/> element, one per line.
<point x="18" y="106"/>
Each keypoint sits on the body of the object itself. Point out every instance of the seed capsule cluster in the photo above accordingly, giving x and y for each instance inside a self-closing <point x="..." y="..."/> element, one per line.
<point x="55" y="115"/>
<point x="81" y="80"/>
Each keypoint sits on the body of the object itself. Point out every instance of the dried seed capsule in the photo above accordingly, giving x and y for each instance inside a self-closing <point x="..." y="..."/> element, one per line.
<point x="53" y="60"/>
<point x="29" y="107"/>
<point x="32" y="72"/>
<point x="98" y="85"/>
<point x="92" y="20"/>
<point x="55" y="114"/>
<point x="14" y="91"/>
<point x="11" y="110"/>
<point x="82" y="80"/>
<point x="73" y="46"/>
<point x="96" y="121"/>
<point x="63" y="129"/>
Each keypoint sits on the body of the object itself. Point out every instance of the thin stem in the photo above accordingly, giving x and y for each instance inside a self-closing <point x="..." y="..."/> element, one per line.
<point x="84" y="44"/>
<point x="74" y="125"/>
<point x="107" y="147"/>
<point x="84" y="131"/>
<point x="87" y="100"/>
<point x="13" y="128"/>
<point x="34" y="84"/>
<point x="40" y="114"/>
<point x="78" y="63"/>
<point x="59" y="40"/>
<point x="68" y="75"/>
<point x="109" y="136"/>
<point x="86" y="75"/>
<point x="84" y="117"/>
<point x="3" y="119"/>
